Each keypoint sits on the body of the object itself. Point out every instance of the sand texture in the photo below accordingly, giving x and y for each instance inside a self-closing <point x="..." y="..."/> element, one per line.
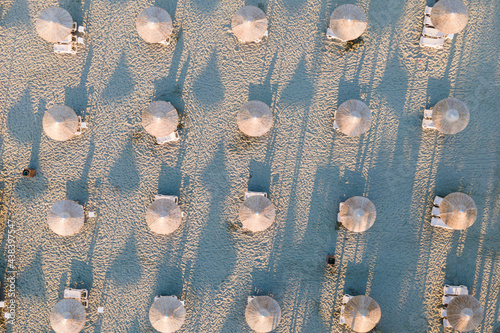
<point x="305" y="166"/>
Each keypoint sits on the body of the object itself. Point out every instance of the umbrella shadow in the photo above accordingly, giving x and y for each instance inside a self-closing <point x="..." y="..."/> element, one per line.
<point x="35" y="150"/>
<point x="214" y="177"/>
<point x="121" y="83"/>
<point x="124" y="174"/>
<point x="168" y="280"/>
<point x="77" y="97"/>
<point x="208" y="86"/>
<point x="216" y="183"/>
<point x="301" y="81"/>
<point x="266" y="282"/>
<point x="205" y="6"/>
<point x="437" y="89"/>
<point x="260" y="176"/>
<point x="264" y="91"/>
<point x="348" y="90"/>
<point x="126" y="268"/>
<point x="81" y="275"/>
<point x="31" y="280"/>
<point x="16" y="15"/>
<point x="21" y="117"/>
<point x="169" y="181"/>
<point x="169" y="6"/>
<point x="78" y="189"/>
<point x="75" y="9"/>
<point x="170" y="88"/>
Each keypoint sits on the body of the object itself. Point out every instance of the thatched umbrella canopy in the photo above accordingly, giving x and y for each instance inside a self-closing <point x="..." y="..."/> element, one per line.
<point x="450" y="115"/>
<point x="348" y="22"/>
<point x="160" y="118"/>
<point x="464" y="313"/>
<point x="60" y="122"/>
<point x="54" y="24"/>
<point x="362" y="313"/>
<point x="163" y="216"/>
<point x="249" y="24"/>
<point x="458" y="211"/>
<point x="67" y="316"/>
<point x="66" y="217"/>
<point x="353" y="117"/>
<point x="449" y="16"/>
<point x="154" y="24"/>
<point x="167" y="314"/>
<point x="255" y="118"/>
<point x="257" y="213"/>
<point x="263" y="314"/>
<point x="358" y="214"/>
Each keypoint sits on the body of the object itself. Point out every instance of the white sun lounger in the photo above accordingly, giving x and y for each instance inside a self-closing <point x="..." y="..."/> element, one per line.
<point x="428" y="113"/>
<point x="174" y="136"/>
<point x="174" y="198"/>
<point x="436" y="43"/>
<point x="436" y="222"/>
<point x="428" y="124"/>
<point x="428" y="10"/>
<point x="432" y="32"/>
<point x="455" y="290"/>
<point x="345" y="299"/>
<point x="65" y="48"/>
<point x="249" y="194"/>
<point x="435" y="211"/>
<point x="335" y="125"/>
<point x="446" y="323"/>
<point x="444" y="313"/>
<point x="338" y="214"/>
<point x="81" y="29"/>
<point x="165" y="42"/>
<point x="266" y="34"/>
<point x="78" y="294"/>
<point x="68" y="40"/>
<point x="81" y="125"/>
<point x="437" y="201"/>
<point x="427" y="21"/>
<point x="447" y="299"/>
<point x="158" y="297"/>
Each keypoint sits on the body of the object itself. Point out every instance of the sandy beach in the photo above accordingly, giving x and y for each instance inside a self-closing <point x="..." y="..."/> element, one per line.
<point x="306" y="167"/>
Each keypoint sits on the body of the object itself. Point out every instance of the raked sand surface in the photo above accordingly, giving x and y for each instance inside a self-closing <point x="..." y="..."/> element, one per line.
<point x="115" y="169"/>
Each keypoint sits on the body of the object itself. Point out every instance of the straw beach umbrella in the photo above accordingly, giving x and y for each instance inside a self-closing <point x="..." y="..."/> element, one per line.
<point x="167" y="314"/>
<point x="464" y="313"/>
<point x="249" y="24"/>
<point x="160" y="118"/>
<point x="348" y="22"/>
<point x="450" y="115"/>
<point x="68" y="316"/>
<point x="362" y="313"/>
<point x="255" y="118"/>
<point x="154" y="24"/>
<point x="357" y="214"/>
<point x="257" y="213"/>
<point x="54" y="24"/>
<point x="353" y="117"/>
<point x="458" y="211"/>
<point x="60" y="122"/>
<point x="263" y="314"/>
<point x="449" y="16"/>
<point x="66" y="218"/>
<point x="163" y="216"/>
